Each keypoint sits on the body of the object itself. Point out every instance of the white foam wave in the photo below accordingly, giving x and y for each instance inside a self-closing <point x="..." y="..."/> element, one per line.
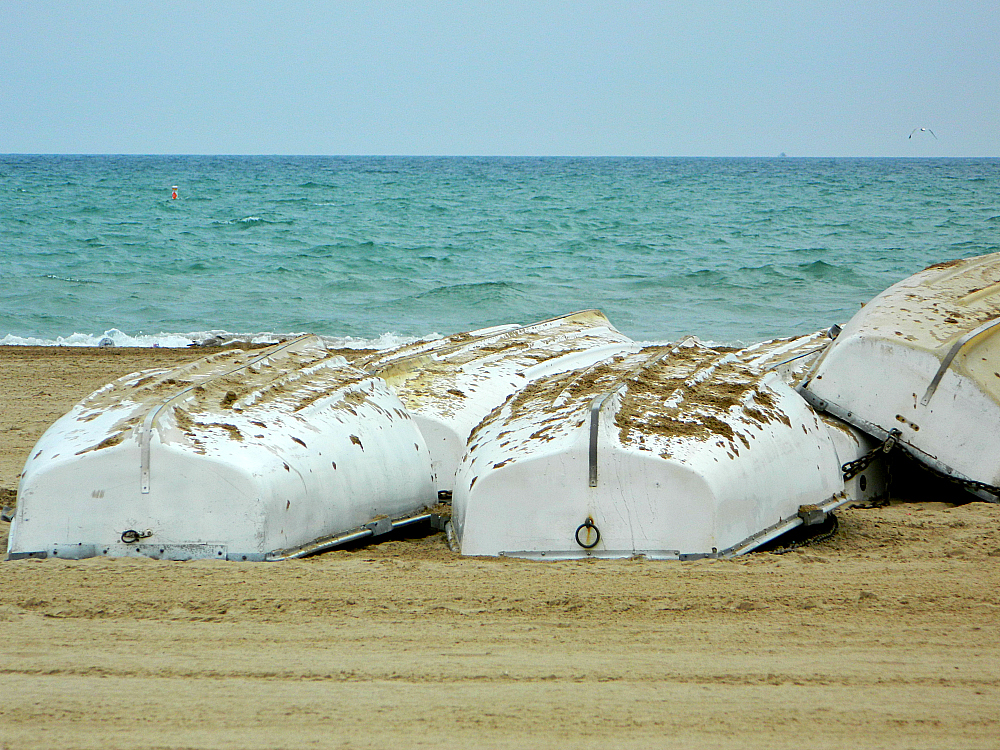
<point x="115" y="337"/>
<point x="385" y="341"/>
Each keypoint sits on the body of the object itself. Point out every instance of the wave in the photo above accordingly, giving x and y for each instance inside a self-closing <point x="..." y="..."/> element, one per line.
<point x="336" y="249"/>
<point x="694" y="279"/>
<point x="481" y="292"/>
<point x="823" y="271"/>
<point x="70" y="279"/>
<point x="769" y="273"/>
<point x="734" y="282"/>
<point x="252" y="221"/>
<point x="115" y="337"/>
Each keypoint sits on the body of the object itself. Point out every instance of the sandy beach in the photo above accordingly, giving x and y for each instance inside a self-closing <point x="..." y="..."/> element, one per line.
<point x="885" y="636"/>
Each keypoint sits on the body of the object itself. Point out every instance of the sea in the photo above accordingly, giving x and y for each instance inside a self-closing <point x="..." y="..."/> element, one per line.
<point x="383" y="250"/>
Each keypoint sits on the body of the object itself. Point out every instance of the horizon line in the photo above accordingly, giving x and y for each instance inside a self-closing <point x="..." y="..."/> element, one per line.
<point x="482" y="156"/>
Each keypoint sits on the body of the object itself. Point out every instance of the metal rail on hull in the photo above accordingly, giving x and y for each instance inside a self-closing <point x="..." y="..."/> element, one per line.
<point x="870" y="428"/>
<point x="374" y="528"/>
<point x="752" y="542"/>
<point x="597" y="405"/>
<point x="146" y="435"/>
<point x="952" y="353"/>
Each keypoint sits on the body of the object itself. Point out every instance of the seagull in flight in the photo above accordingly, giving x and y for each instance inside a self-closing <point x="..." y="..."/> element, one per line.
<point x="922" y="130"/>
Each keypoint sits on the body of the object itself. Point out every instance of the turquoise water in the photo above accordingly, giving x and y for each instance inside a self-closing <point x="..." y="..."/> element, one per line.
<point x="732" y="250"/>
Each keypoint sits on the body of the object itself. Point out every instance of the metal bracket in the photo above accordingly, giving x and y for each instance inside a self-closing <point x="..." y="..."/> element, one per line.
<point x="811" y="515"/>
<point x="380" y="527"/>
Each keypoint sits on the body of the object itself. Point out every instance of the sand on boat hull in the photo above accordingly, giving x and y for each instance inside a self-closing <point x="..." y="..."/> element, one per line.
<point x="233" y="456"/>
<point x="919" y="363"/>
<point x="450" y="385"/>
<point x="671" y="453"/>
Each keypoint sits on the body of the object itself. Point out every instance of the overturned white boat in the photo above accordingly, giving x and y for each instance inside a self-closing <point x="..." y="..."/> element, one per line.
<point x="919" y="367"/>
<point x="239" y="456"/>
<point x="450" y="385"/>
<point x="676" y="452"/>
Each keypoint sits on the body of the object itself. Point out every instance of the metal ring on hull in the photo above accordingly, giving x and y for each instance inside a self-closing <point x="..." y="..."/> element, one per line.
<point x="588" y="525"/>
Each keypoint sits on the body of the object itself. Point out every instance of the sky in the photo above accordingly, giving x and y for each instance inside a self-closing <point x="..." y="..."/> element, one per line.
<point x="543" y="78"/>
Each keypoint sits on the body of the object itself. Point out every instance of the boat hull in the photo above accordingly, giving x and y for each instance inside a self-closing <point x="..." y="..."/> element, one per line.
<point x="450" y="385"/>
<point x="922" y="362"/>
<point x="679" y="454"/>
<point x="222" y="459"/>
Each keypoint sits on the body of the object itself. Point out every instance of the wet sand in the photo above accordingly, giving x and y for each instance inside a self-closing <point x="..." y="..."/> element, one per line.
<point x="885" y="635"/>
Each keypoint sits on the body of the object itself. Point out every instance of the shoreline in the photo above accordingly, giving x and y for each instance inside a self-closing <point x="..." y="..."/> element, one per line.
<point x="886" y="635"/>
